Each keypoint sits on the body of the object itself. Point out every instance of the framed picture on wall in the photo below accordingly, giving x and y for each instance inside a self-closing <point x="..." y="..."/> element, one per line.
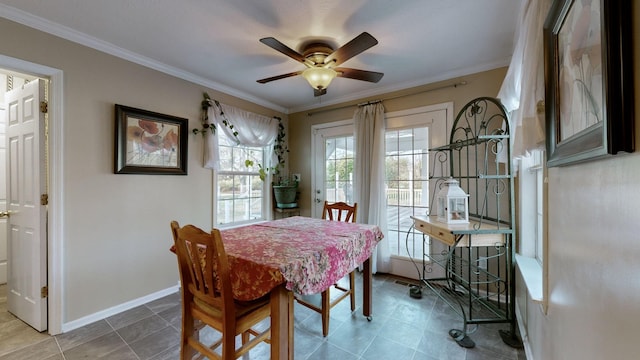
<point x="588" y="79"/>
<point x="147" y="142"/>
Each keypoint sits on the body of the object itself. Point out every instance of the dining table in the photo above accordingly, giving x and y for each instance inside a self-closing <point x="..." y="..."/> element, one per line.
<point x="297" y="255"/>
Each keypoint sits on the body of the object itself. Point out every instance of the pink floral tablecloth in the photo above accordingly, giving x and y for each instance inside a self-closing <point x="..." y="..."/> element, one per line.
<point x="307" y="254"/>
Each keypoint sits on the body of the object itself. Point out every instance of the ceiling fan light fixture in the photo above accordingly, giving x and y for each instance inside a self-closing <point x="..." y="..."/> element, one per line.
<point x="318" y="77"/>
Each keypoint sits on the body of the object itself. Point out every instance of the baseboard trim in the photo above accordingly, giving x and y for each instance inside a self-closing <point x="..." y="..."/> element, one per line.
<point x="100" y="315"/>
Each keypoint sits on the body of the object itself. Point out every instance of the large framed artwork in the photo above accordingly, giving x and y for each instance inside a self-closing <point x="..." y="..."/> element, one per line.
<point x="147" y="142"/>
<point x="588" y="80"/>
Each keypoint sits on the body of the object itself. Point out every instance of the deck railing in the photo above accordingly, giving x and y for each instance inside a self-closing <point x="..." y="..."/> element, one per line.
<point x="395" y="197"/>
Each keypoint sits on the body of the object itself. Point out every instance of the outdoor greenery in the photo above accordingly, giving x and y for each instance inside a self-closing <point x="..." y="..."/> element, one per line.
<point x="398" y="168"/>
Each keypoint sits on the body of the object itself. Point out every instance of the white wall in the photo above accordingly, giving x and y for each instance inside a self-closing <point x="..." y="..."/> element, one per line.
<point x="593" y="256"/>
<point x="115" y="247"/>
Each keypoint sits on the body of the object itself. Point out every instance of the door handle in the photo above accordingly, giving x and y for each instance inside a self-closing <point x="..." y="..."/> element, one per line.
<point x="5" y="214"/>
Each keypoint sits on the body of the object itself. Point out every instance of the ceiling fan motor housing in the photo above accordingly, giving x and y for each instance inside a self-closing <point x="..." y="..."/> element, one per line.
<point x="317" y="52"/>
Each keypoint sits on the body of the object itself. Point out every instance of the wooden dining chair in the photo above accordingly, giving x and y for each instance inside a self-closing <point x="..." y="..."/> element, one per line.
<point x="338" y="211"/>
<point x="207" y="298"/>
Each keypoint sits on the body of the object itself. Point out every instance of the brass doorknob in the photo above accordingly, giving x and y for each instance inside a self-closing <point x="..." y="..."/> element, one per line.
<point x="5" y="214"/>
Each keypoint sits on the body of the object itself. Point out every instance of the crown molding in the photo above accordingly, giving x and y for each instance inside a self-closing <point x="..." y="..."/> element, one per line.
<point x="407" y="85"/>
<point x="49" y="27"/>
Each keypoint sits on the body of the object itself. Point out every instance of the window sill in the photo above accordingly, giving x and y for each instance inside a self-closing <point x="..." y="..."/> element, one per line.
<point x="532" y="274"/>
<point x="241" y="224"/>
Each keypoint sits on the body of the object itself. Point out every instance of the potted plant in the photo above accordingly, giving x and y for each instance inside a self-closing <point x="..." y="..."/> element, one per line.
<point x="286" y="192"/>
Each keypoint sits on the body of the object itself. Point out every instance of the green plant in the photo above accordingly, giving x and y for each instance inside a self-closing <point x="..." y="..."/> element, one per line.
<point x="207" y="126"/>
<point x="287" y="181"/>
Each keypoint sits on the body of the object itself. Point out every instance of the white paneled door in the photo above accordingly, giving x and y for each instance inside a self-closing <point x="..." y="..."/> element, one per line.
<point x="3" y="197"/>
<point x="26" y="184"/>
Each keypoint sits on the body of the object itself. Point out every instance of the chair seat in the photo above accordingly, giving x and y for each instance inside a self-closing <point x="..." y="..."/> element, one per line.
<point x="242" y="307"/>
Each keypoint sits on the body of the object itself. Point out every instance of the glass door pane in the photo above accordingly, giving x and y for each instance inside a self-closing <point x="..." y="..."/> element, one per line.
<point x="407" y="187"/>
<point x="339" y="169"/>
<point x="332" y="171"/>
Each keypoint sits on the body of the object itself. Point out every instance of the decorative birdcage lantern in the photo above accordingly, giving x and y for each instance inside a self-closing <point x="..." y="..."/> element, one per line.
<point x="453" y="203"/>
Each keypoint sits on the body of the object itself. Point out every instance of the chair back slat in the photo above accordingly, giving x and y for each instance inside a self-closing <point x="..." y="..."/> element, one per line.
<point x="340" y="211"/>
<point x="204" y="268"/>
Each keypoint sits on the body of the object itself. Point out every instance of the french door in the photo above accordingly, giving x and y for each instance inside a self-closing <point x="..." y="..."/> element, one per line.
<point x="332" y="170"/>
<point x="409" y="135"/>
<point x="409" y="166"/>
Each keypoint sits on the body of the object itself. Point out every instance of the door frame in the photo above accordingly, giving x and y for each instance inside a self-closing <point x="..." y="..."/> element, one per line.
<point x="315" y="212"/>
<point x="55" y="215"/>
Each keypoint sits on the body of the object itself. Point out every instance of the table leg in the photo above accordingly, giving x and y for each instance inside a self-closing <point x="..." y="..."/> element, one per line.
<point x="281" y="323"/>
<point x="366" y="289"/>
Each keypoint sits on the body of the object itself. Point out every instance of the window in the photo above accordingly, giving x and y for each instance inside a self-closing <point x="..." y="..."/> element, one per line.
<point x="531" y="203"/>
<point x="239" y="189"/>
<point x="538" y="170"/>
<point x="531" y="217"/>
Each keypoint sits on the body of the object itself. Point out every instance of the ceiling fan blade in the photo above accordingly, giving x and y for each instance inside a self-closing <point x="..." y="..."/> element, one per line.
<point x="278" y="46"/>
<point x="363" y="75"/>
<point x="319" y="92"/>
<point x="354" y="47"/>
<point x="278" y="77"/>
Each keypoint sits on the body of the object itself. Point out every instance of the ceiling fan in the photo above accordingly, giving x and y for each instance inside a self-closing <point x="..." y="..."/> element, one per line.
<point x="322" y="61"/>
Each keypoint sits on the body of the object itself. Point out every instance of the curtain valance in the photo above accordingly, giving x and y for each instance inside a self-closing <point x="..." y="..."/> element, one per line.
<point x="247" y="128"/>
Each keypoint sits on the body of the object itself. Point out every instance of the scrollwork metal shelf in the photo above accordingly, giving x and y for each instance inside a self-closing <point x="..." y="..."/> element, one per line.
<point x="476" y="258"/>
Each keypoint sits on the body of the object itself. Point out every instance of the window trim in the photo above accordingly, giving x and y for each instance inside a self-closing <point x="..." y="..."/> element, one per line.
<point x="266" y="211"/>
<point x="533" y="272"/>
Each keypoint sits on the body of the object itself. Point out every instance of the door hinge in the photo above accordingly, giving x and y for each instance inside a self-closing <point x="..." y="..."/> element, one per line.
<point x="44" y="199"/>
<point x="44" y="107"/>
<point x="44" y="292"/>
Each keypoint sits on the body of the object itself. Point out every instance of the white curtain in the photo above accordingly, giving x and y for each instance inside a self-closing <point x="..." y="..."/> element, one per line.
<point x="252" y="129"/>
<point x="522" y="91"/>
<point x="369" y="176"/>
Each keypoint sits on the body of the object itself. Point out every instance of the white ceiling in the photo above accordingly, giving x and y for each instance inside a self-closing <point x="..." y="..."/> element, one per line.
<point x="215" y="42"/>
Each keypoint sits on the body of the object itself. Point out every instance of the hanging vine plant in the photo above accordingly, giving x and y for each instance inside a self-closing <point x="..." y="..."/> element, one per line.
<point x="207" y="126"/>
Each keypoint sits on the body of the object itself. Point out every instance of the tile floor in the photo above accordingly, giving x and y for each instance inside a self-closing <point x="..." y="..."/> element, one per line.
<point x="402" y="328"/>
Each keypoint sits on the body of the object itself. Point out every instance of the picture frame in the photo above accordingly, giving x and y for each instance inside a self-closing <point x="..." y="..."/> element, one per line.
<point x="588" y="80"/>
<point x="147" y="142"/>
